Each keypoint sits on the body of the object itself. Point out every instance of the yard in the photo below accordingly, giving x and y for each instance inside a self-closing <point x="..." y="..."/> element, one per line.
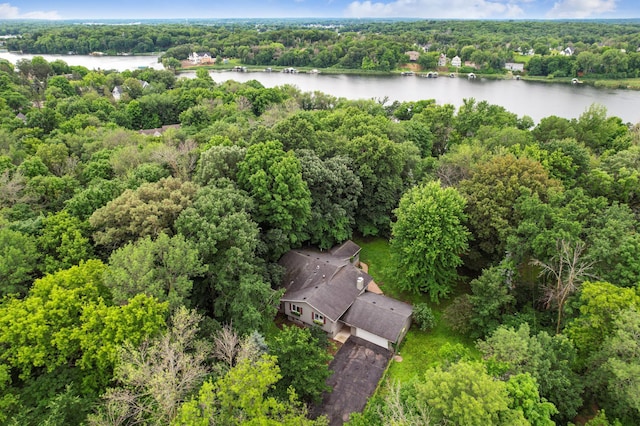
<point x="419" y="350"/>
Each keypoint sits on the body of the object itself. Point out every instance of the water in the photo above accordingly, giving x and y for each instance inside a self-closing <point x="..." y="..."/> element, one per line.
<point x="537" y="100"/>
<point x="118" y="63"/>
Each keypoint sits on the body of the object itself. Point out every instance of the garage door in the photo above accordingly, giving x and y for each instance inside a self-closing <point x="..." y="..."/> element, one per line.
<point x="370" y="337"/>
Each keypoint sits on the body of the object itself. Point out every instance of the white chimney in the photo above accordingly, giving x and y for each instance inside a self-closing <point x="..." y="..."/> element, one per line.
<point x="360" y="283"/>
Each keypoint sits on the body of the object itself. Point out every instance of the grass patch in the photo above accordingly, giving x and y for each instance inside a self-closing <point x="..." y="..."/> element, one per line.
<point x="419" y="350"/>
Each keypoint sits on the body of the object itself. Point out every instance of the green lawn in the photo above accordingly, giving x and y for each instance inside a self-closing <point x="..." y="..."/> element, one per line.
<point x="419" y="350"/>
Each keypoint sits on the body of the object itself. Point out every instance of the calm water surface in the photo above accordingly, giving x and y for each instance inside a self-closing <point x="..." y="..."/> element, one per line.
<point x="536" y="100"/>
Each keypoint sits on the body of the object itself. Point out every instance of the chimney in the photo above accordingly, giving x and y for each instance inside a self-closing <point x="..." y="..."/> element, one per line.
<point x="360" y="283"/>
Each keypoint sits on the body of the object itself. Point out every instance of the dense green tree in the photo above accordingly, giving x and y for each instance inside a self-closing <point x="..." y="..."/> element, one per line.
<point x="615" y="369"/>
<point x="491" y="193"/>
<point x="217" y="162"/>
<point x="549" y="359"/>
<point x="274" y="180"/>
<point x="234" y="288"/>
<point x="148" y="210"/>
<point x="428" y="238"/>
<point x="492" y="298"/>
<point x="335" y="190"/>
<point x="162" y="268"/>
<point x="465" y="394"/>
<point x="599" y="304"/>
<point x="303" y="363"/>
<point x="242" y="397"/>
<point x="63" y="241"/>
<point x="19" y="260"/>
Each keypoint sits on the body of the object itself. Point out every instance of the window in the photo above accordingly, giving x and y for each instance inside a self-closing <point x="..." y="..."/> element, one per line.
<point x="295" y="309"/>
<point x="318" y="318"/>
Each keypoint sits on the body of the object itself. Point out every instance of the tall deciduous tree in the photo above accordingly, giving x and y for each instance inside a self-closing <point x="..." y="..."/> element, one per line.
<point x="303" y="363"/>
<point x="162" y="268"/>
<point x="428" y="238"/>
<point x="149" y="210"/>
<point x="18" y="261"/>
<point x="283" y="201"/>
<point x="335" y="190"/>
<point x="234" y="288"/>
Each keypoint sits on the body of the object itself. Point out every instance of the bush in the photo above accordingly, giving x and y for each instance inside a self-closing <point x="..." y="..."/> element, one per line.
<point x="458" y="314"/>
<point x="423" y="317"/>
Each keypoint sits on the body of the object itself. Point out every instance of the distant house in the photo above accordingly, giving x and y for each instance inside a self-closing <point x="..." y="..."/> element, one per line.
<point x="118" y="91"/>
<point x="413" y="55"/>
<point x="20" y="116"/>
<point x="456" y="62"/>
<point x="442" y="60"/>
<point x="514" y="66"/>
<point x="328" y="290"/>
<point x="200" y="58"/>
<point x="470" y="64"/>
<point x="568" y="51"/>
<point x="159" y="131"/>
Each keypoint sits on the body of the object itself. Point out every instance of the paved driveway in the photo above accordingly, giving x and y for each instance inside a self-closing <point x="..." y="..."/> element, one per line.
<point x="357" y="369"/>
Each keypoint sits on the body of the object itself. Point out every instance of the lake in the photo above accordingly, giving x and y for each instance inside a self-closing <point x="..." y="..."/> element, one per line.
<point x="534" y="99"/>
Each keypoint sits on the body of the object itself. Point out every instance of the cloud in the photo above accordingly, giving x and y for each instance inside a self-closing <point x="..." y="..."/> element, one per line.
<point x="12" y="12"/>
<point x="581" y="8"/>
<point x="462" y="9"/>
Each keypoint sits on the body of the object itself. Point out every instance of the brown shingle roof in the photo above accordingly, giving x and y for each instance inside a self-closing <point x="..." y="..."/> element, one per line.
<point x="378" y="314"/>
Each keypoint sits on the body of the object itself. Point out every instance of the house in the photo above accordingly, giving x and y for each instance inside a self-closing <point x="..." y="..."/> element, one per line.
<point x="470" y="64"/>
<point x="200" y="58"/>
<point x="413" y="55"/>
<point x="118" y="91"/>
<point x="456" y="62"/>
<point x="513" y="66"/>
<point x="442" y="60"/>
<point x="159" y="131"/>
<point x="328" y="290"/>
<point x="569" y="51"/>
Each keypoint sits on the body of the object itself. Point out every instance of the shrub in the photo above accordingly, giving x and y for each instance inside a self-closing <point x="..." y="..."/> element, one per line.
<point x="423" y="317"/>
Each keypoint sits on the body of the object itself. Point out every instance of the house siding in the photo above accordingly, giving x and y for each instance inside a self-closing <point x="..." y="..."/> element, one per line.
<point x="306" y="318"/>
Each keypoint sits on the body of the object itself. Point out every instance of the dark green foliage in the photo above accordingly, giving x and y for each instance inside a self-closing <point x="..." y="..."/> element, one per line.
<point x="303" y="363"/>
<point x="423" y="317"/>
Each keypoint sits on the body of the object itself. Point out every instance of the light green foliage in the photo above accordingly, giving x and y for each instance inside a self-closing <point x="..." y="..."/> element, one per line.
<point x="523" y="391"/>
<point x="303" y="363"/>
<point x="549" y="359"/>
<point x="63" y="241"/>
<point x="615" y="378"/>
<point x="148" y="210"/>
<point x="19" y="259"/>
<point x="162" y="268"/>
<point x="599" y="304"/>
<point x="335" y="190"/>
<point x="38" y="331"/>
<point x="156" y="376"/>
<point x="273" y="178"/>
<point x="464" y="394"/>
<point x="241" y="398"/>
<point x="428" y="238"/>
<point x="234" y="289"/>
<point x="599" y="132"/>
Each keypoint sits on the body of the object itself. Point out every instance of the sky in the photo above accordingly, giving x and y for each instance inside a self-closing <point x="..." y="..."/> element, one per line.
<point x="434" y="9"/>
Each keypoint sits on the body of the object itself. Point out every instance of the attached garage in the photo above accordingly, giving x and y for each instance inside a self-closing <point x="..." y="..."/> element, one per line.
<point x="378" y="319"/>
<point x="370" y="337"/>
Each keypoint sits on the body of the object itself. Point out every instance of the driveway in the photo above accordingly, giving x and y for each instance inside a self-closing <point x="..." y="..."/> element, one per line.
<point x="357" y="369"/>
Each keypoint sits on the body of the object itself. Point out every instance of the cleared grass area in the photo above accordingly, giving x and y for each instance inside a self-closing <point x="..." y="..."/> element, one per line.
<point x="419" y="350"/>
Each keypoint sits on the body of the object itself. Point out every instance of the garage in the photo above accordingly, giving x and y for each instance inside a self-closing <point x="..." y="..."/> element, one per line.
<point x="370" y="337"/>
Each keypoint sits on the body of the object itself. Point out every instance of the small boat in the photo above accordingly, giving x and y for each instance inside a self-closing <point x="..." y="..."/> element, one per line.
<point x="575" y="81"/>
<point x="432" y="74"/>
<point x="407" y="73"/>
<point x="471" y="76"/>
